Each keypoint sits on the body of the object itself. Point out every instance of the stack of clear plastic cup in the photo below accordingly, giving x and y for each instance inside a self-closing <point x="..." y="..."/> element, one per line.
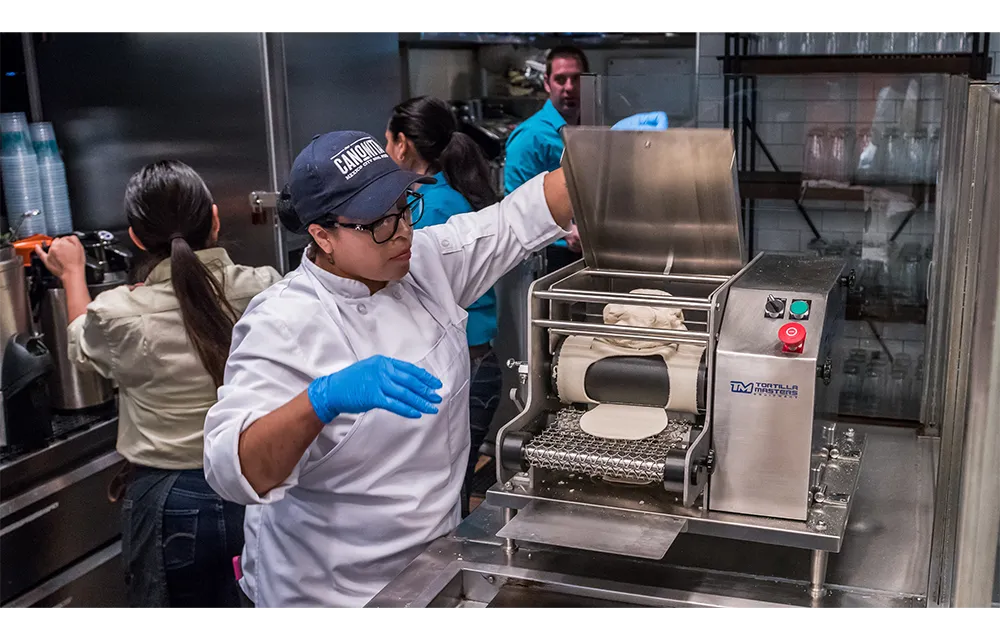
<point x="52" y="176"/>
<point x="19" y="168"/>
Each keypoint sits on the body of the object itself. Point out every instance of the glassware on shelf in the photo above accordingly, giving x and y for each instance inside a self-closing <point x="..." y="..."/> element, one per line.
<point x="957" y="43"/>
<point x="896" y="393"/>
<point x="808" y="44"/>
<point x="862" y="42"/>
<point x="934" y="42"/>
<point x="873" y="386"/>
<point x="856" y="264"/>
<point x="865" y="157"/>
<point x="894" y="158"/>
<point x="916" y="389"/>
<point x="859" y="355"/>
<point x="787" y="43"/>
<point x="845" y="43"/>
<point x="839" y="155"/>
<point x="850" y="390"/>
<point x="761" y="44"/>
<point x="893" y="42"/>
<point x="925" y="265"/>
<point x="914" y="43"/>
<point x="931" y="157"/>
<point x="907" y="289"/>
<point x="902" y="360"/>
<point x="829" y="43"/>
<point x="875" y="282"/>
<point x="916" y="156"/>
<point x="815" y="160"/>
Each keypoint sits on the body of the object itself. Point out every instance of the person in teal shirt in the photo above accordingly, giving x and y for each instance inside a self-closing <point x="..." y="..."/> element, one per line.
<point x="423" y="136"/>
<point x="535" y="145"/>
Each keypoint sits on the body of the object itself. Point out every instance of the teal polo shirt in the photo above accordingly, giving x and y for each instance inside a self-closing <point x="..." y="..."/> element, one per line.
<point x="441" y="201"/>
<point x="532" y="148"/>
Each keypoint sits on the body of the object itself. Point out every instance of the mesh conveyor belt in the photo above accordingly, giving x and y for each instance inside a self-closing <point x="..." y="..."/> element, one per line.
<point x="564" y="446"/>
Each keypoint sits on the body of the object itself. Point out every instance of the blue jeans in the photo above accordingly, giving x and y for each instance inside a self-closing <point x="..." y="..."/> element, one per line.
<point x="484" y="398"/>
<point x="201" y="535"/>
<point x="178" y="540"/>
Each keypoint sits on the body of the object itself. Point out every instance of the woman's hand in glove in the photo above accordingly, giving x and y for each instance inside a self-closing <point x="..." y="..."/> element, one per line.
<point x="376" y="382"/>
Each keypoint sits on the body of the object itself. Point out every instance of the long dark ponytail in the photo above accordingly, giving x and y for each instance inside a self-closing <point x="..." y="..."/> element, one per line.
<point x="169" y="209"/>
<point x="433" y="129"/>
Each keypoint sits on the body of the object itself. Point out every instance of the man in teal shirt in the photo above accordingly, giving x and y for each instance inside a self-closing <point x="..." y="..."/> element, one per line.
<point x="535" y="146"/>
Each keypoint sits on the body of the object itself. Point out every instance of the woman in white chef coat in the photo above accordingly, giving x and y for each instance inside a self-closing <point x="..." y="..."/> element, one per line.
<point x="343" y="419"/>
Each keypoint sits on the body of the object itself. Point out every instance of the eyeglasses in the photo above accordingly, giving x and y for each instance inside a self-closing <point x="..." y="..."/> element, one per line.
<point x="384" y="229"/>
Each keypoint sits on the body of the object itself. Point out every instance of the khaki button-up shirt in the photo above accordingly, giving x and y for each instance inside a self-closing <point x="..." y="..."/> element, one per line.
<point x="137" y="338"/>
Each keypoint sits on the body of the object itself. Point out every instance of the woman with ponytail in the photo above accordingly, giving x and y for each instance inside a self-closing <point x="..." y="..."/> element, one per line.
<point x="423" y="137"/>
<point x="165" y="343"/>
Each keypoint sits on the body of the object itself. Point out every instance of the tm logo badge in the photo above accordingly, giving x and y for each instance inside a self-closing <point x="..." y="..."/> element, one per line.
<point x="765" y="389"/>
<point x="740" y="387"/>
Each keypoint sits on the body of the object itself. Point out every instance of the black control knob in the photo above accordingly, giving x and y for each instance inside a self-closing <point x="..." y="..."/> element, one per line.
<point x="774" y="308"/>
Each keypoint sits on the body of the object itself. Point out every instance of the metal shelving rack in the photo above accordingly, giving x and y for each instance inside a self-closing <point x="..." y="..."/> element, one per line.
<point x="740" y="100"/>
<point x="741" y="70"/>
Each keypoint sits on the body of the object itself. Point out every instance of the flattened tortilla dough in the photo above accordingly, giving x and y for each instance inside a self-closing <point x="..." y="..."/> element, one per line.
<point x="617" y="421"/>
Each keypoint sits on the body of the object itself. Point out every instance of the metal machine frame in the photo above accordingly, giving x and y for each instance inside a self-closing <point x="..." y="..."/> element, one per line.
<point x="647" y="520"/>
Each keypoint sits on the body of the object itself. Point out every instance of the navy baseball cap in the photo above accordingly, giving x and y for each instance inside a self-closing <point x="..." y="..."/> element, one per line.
<point x="347" y="175"/>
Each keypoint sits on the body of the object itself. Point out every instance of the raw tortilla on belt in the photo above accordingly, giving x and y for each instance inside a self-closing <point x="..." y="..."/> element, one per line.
<point x="618" y="421"/>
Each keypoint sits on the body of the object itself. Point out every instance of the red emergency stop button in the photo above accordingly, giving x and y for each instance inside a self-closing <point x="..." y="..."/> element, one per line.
<point x="793" y="337"/>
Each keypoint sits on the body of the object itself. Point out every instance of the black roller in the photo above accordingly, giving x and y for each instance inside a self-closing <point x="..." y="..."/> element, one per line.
<point x="512" y="446"/>
<point x="674" y="471"/>
<point x="639" y="380"/>
<point x="627" y="379"/>
<point x="512" y="451"/>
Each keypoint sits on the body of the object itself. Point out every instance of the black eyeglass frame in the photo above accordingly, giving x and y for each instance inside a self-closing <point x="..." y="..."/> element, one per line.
<point x="414" y="206"/>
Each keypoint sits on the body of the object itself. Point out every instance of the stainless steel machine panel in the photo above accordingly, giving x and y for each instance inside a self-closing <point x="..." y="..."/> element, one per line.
<point x="656" y="201"/>
<point x="764" y="430"/>
<point x="119" y="101"/>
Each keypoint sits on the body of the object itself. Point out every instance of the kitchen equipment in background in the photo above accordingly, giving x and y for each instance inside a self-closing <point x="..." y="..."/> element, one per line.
<point x="24" y="374"/>
<point x="14" y="316"/>
<point x="107" y="267"/>
<point x="25" y="249"/>
<point x="25" y="363"/>
<point x="19" y="168"/>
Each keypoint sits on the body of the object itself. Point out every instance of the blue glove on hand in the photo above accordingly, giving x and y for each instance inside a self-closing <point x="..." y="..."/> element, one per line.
<point x="654" y="121"/>
<point x="376" y="382"/>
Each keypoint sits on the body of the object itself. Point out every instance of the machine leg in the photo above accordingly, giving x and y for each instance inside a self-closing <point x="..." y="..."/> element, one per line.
<point x="817" y="574"/>
<point x="509" y="545"/>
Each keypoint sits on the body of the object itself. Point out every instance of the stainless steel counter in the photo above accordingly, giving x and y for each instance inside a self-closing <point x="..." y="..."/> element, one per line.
<point x="76" y="437"/>
<point x="58" y="530"/>
<point x="884" y="560"/>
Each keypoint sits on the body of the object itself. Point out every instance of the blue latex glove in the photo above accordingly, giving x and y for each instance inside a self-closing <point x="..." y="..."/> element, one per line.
<point x="654" y="121"/>
<point x="376" y="382"/>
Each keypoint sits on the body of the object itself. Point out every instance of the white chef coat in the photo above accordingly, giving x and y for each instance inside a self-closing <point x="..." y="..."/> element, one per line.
<point x="373" y="489"/>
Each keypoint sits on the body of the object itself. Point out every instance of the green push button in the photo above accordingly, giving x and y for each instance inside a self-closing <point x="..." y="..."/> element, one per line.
<point x="799" y="309"/>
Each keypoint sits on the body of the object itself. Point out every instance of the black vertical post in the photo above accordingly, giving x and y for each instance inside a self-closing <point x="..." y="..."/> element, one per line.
<point x="752" y="80"/>
<point x="726" y="94"/>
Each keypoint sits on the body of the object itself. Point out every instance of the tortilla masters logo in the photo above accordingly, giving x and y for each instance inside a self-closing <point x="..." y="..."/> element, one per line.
<point x="765" y="389"/>
<point x="357" y="156"/>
